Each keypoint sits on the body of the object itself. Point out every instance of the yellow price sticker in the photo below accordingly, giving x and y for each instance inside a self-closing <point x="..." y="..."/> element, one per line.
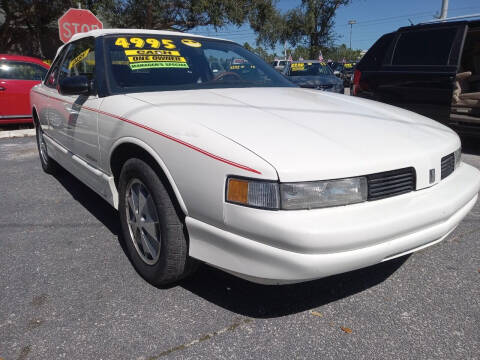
<point x="156" y="58"/>
<point x="140" y="43"/>
<point x="158" y="65"/>
<point x="78" y="58"/>
<point x="152" y="52"/>
<point x="192" y="43"/>
<point x="298" y="66"/>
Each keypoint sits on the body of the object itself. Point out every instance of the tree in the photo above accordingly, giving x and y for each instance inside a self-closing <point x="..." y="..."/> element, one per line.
<point x="30" y="26"/>
<point x="338" y="53"/>
<point x="310" y="24"/>
<point x="183" y="15"/>
<point x="260" y="51"/>
<point x="300" y="52"/>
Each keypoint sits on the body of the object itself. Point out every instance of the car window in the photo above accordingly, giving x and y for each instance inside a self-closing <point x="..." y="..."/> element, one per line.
<point x="160" y="63"/>
<point x="18" y="70"/>
<point x="51" y="77"/>
<point x="376" y="55"/>
<point x="79" y="59"/>
<point x="424" y="47"/>
<point x="309" y="69"/>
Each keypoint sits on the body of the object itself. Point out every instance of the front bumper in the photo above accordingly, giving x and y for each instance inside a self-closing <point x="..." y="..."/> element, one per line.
<point x="275" y="247"/>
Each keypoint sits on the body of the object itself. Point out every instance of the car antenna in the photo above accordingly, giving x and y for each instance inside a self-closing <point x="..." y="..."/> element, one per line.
<point x="411" y="22"/>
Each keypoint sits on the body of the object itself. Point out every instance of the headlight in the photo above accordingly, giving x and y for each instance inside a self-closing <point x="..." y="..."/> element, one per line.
<point x="296" y="196"/>
<point x="458" y="156"/>
<point x="318" y="194"/>
<point x="254" y="193"/>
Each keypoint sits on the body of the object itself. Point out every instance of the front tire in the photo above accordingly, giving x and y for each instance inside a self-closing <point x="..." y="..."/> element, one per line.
<point x="154" y="233"/>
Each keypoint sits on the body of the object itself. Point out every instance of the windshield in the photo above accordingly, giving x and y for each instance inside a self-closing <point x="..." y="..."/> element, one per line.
<point x="309" y="69"/>
<point x="160" y="63"/>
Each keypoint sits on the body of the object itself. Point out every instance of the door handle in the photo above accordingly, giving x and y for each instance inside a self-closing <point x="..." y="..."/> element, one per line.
<point x="2" y="88"/>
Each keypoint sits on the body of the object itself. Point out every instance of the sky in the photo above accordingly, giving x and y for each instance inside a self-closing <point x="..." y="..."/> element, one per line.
<point x="374" y="18"/>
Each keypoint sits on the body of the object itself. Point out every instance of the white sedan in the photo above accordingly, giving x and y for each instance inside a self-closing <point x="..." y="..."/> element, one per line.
<point x="238" y="167"/>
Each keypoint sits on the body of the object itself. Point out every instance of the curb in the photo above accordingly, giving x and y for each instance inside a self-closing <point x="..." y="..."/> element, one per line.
<point x="9" y="134"/>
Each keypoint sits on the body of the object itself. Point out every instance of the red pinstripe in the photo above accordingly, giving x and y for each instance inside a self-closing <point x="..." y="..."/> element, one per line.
<point x="190" y="146"/>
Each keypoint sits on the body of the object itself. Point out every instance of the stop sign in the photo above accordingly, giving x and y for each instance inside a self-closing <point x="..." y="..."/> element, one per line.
<point x="76" y="21"/>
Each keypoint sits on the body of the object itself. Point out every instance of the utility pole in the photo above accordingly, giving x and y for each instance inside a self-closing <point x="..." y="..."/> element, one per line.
<point x="351" y="23"/>
<point x="443" y="14"/>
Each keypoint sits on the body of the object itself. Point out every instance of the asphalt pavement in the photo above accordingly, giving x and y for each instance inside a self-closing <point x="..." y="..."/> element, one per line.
<point x="68" y="291"/>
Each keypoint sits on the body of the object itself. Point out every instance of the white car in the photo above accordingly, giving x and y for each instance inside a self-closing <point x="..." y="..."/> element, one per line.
<point x="240" y="168"/>
<point x="279" y="65"/>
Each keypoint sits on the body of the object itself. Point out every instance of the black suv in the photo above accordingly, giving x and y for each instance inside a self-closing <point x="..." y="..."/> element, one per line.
<point x="432" y="69"/>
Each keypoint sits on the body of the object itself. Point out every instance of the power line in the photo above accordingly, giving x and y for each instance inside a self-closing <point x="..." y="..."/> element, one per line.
<point x="406" y="16"/>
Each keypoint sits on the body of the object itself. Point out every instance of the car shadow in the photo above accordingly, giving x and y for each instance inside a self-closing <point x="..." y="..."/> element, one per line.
<point x="89" y="199"/>
<point x="268" y="301"/>
<point x="235" y="294"/>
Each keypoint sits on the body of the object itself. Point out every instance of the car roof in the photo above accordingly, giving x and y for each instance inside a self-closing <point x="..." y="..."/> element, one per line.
<point x="102" y="32"/>
<point x="446" y="23"/>
<point x="12" y="57"/>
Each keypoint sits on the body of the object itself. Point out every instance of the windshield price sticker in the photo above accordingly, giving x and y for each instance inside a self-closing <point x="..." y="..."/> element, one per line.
<point x="192" y="43"/>
<point x="298" y="66"/>
<point x="78" y="58"/>
<point x="239" y="67"/>
<point x="160" y="64"/>
<point x="153" y="56"/>
<point x="144" y="58"/>
<point x="140" y="43"/>
<point x="152" y="52"/>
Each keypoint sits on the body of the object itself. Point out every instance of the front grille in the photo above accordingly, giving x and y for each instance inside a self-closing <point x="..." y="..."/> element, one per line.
<point x="391" y="183"/>
<point x="448" y="165"/>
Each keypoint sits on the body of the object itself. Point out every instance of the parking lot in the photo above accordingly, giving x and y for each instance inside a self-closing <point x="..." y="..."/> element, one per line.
<point x="67" y="290"/>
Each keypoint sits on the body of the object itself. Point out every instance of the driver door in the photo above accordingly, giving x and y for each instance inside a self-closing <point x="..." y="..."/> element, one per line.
<point x="78" y="128"/>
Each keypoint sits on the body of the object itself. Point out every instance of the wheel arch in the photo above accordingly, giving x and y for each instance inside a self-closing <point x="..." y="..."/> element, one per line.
<point x="35" y="116"/>
<point x="129" y="147"/>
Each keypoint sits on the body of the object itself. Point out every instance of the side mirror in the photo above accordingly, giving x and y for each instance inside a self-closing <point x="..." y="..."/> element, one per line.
<point x="74" y="85"/>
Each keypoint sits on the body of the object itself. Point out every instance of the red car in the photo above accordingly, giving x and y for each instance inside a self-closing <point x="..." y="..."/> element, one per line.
<point x="18" y="74"/>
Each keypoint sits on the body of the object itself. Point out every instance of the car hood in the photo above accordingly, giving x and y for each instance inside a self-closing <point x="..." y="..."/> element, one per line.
<point x="309" y="135"/>
<point x="312" y="81"/>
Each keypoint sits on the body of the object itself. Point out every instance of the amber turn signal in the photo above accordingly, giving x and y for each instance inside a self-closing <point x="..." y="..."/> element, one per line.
<point x="237" y="191"/>
<point x="261" y="194"/>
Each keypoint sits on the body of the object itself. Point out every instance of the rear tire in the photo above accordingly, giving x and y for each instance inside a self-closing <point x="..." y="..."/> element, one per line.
<point x="155" y="235"/>
<point x="48" y="164"/>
